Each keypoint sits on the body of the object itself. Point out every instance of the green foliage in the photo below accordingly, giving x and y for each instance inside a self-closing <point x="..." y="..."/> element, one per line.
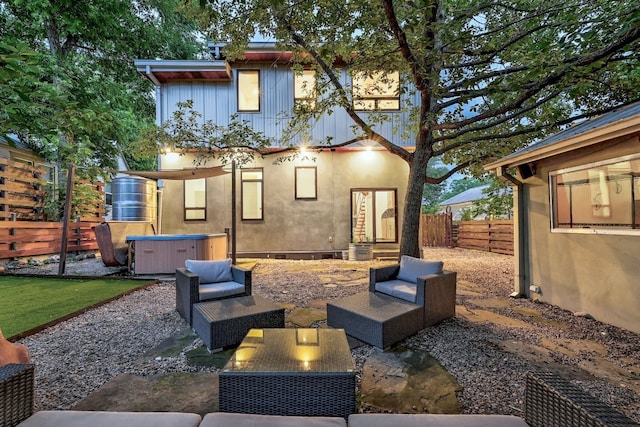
<point x="185" y="132"/>
<point x="432" y="193"/>
<point x="88" y="95"/>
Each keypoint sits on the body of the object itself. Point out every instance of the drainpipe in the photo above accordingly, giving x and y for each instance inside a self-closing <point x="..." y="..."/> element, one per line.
<point x="520" y="236"/>
<point x="160" y="184"/>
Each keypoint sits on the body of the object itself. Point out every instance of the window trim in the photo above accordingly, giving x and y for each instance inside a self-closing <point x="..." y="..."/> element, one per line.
<point x="315" y="182"/>
<point x="375" y="98"/>
<point x="242" y="182"/>
<point x="374" y="219"/>
<point x="248" y="70"/>
<point x="593" y="231"/>
<point x="193" y="208"/>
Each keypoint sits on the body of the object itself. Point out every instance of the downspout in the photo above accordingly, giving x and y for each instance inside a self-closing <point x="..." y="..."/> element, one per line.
<point x="520" y="236"/>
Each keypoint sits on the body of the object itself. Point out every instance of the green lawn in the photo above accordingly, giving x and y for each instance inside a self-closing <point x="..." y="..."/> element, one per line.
<point x="32" y="302"/>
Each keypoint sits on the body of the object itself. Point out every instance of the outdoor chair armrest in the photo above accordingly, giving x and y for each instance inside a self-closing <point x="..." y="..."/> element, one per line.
<point x="242" y="276"/>
<point x="382" y="274"/>
<point x="17" y="391"/>
<point x="187" y="293"/>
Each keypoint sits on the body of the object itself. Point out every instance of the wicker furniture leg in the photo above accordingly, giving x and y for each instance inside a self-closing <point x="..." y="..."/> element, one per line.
<point x="16" y="393"/>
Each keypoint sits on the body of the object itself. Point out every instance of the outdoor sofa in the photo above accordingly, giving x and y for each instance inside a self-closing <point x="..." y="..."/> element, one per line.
<point x="550" y="401"/>
<point x="205" y="280"/>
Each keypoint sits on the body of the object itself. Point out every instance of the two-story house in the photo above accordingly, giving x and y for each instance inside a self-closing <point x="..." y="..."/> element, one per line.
<point x="311" y="207"/>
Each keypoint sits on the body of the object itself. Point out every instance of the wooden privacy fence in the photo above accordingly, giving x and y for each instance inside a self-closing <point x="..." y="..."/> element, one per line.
<point x="29" y="238"/>
<point x="22" y="191"/>
<point x="437" y="230"/>
<point x="491" y="236"/>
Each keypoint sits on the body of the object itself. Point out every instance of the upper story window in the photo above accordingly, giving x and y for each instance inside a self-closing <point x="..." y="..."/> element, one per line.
<point x="602" y="197"/>
<point x="249" y="90"/>
<point x="376" y="91"/>
<point x="304" y="88"/>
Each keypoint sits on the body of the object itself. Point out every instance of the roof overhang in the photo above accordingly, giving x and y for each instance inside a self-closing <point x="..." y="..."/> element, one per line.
<point x="615" y="130"/>
<point x="163" y="71"/>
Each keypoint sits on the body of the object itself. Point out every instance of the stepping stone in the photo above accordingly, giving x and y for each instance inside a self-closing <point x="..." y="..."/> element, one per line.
<point x="305" y="317"/>
<point x="409" y="381"/>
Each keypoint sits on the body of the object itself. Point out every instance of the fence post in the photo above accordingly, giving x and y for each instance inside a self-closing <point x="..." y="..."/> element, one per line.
<point x="65" y="222"/>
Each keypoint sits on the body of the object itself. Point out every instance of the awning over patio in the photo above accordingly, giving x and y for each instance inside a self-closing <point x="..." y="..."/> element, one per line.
<point x="180" y="174"/>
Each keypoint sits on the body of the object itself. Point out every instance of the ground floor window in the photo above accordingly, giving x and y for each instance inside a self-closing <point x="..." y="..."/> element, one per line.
<point x="195" y="199"/>
<point x="598" y="197"/>
<point x="373" y="215"/>
<point x="252" y="194"/>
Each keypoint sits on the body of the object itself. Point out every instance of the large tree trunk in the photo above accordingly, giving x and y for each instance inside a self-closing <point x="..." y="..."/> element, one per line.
<point x="410" y="237"/>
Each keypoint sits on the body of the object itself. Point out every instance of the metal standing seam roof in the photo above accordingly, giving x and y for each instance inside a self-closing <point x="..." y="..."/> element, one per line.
<point x="469" y="195"/>
<point x="583" y="127"/>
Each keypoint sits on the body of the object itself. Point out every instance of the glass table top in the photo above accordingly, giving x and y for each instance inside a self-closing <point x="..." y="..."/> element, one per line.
<point x="309" y="350"/>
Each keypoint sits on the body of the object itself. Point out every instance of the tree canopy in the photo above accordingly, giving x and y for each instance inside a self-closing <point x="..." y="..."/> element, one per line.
<point x="491" y="76"/>
<point x="82" y="96"/>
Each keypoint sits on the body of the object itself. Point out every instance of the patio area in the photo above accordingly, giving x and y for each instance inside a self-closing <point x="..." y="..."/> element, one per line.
<point x="138" y="351"/>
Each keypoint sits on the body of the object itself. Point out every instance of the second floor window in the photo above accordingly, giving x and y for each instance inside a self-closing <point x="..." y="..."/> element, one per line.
<point x="304" y="89"/>
<point x="249" y="90"/>
<point x="376" y="91"/>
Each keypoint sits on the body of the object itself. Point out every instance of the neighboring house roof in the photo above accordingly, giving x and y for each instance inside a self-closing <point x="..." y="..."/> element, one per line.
<point x="475" y="193"/>
<point x="619" y="122"/>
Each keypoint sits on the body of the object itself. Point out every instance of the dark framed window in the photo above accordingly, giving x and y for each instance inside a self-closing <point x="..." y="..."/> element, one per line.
<point x="373" y="215"/>
<point x="252" y="194"/>
<point x="195" y="199"/>
<point x="376" y="91"/>
<point x="306" y="182"/>
<point x="249" y="90"/>
<point x="304" y="89"/>
<point x="597" y="198"/>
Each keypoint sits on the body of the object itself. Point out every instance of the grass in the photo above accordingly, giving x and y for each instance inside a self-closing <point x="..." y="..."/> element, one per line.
<point x="28" y="304"/>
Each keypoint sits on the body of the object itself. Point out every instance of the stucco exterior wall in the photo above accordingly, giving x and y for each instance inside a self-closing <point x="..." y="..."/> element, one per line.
<point x="290" y="225"/>
<point x="593" y="273"/>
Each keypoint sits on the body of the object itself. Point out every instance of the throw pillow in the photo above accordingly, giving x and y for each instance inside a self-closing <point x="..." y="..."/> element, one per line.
<point x="210" y="271"/>
<point x="412" y="268"/>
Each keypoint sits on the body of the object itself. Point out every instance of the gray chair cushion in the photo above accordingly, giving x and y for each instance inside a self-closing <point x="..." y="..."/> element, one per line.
<point x="110" y="419"/>
<point x="398" y="288"/>
<point x="412" y="268"/>
<point x="219" y="290"/>
<point x="434" y="420"/>
<point x="223" y="419"/>
<point x="210" y="271"/>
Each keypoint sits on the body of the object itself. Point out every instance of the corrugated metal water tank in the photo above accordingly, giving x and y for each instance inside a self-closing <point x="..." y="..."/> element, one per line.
<point x="134" y="199"/>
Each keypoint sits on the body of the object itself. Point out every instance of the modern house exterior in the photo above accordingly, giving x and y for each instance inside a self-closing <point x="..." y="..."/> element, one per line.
<point x="310" y="207"/>
<point x="577" y="217"/>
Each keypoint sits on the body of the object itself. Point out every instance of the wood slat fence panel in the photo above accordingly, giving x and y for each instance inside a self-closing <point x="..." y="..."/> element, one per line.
<point x="492" y="236"/>
<point x="28" y="238"/>
<point x="21" y="191"/>
<point x="437" y="230"/>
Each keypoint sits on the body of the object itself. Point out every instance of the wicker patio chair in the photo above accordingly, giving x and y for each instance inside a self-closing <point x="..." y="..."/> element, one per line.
<point x="203" y="285"/>
<point x="16" y="393"/>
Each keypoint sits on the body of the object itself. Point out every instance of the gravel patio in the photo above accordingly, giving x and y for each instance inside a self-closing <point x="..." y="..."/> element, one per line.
<point x="489" y="346"/>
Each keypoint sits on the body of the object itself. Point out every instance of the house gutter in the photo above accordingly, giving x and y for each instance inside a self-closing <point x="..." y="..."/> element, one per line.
<point x="520" y="235"/>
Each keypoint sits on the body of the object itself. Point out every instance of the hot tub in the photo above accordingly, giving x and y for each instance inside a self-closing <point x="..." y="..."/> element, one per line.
<point x="163" y="253"/>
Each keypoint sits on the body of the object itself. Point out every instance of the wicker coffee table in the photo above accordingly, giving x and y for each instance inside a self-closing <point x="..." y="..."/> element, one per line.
<point x="306" y="372"/>
<point x="225" y="322"/>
